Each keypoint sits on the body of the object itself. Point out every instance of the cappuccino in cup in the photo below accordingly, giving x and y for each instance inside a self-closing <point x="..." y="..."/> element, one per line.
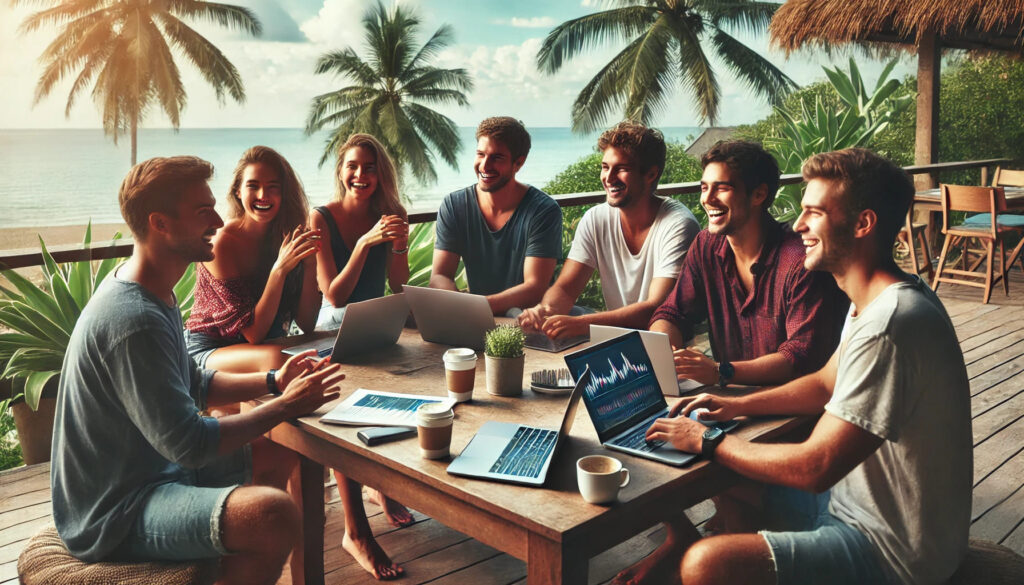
<point x="600" y="477"/>
<point x="434" y="427"/>
<point x="460" y="373"/>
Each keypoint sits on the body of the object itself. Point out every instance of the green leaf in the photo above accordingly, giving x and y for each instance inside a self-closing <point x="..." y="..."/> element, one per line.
<point x="34" y="385"/>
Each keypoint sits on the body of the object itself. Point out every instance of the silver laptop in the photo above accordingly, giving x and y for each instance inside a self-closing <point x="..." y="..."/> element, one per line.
<point x="516" y="453"/>
<point x="365" y="326"/>
<point x="659" y="349"/>
<point x="623" y="397"/>
<point x="450" y="317"/>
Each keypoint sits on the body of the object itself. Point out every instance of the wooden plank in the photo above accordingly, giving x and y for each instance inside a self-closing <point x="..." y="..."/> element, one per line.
<point x="995" y="360"/>
<point x="425" y="568"/>
<point x="999" y="502"/>
<point x="26" y="514"/>
<point x="1002" y="446"/>
<point x="984" y="322"/>
<point x="994" y="376"/>
<point x="967" y="317"/>
<point x="994" y="340"/>
<point x="497" y="570"/>
<point x="11" y="477"/>
<point x="995" y="396"/>
<point x="1000" y="416"/>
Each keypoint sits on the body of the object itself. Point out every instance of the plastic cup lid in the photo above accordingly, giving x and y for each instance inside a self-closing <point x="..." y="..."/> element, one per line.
<point x="434" y="410"/>
<point x="459" y="354"/>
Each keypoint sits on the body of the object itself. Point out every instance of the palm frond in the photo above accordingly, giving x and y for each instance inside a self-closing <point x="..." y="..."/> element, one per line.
<point x="228" y="16"/>
<point x="437" y="129"/>
<point x="348" y="64"/>
<point x="579" y="34"/>
<point x="648" y="73"/>
<point x="59" y="14"/>
<point x="742" y="15"/>
<point x="761" y="76"/>
<point x="208" y="59"/>
<point x="697" y="75"/>
<point x="455" y="81"/>
<point x="441" y="38"/>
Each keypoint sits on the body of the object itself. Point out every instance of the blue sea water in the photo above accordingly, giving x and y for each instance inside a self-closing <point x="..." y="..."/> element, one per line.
<point x="68" y="177"/>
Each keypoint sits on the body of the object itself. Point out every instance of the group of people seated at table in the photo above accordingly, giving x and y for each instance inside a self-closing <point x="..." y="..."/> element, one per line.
<point x="152" y="461"/>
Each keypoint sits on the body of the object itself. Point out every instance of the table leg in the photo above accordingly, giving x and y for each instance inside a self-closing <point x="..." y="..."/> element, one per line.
<point x="308" y="565"/>
<point x="551" y="563"/>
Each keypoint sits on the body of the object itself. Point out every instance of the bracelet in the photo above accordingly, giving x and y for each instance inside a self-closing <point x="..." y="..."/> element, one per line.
<point x="272" y="383"/>
<point x="402" y="251"/>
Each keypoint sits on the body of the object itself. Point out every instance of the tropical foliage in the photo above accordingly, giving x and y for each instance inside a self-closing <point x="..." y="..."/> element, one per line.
<point x="123" y="48"/>
<point x="824" y="128"/>
<point x="421" y="257"/>
<point x="669" y="43"/>
<point x="41" y="317"/>
<point x="389" y="90"/>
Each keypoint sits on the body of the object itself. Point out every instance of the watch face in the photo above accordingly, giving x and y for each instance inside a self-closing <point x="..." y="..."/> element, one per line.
<point x="713" y="434"/>
<point x="726" y="370"/>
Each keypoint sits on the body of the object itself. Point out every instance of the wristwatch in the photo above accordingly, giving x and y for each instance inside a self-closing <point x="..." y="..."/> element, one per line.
<point x="725" y="373"/>
<point x="272" y="383"/>
<point x="712" y="437"/>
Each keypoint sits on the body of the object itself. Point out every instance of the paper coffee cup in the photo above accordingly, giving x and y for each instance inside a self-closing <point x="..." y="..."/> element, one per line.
<point x="434" y="428"/>
<point x="460" y="373"/>
<point x="600" y="477"/>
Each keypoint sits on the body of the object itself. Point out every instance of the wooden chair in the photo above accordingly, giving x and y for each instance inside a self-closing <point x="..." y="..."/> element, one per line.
<point x="916" y="231"/>
<point x="1007" y="178"/>
<point x="974" y="199"/>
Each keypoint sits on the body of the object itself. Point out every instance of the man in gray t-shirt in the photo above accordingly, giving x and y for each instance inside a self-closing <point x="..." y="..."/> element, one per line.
<point x="138" y="472"/>
<point x="509" y="235"/>
<point x="894" y="438"/>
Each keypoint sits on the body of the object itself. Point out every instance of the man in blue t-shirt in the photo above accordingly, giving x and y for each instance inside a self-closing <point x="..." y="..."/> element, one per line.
<point x="508" y="234"/>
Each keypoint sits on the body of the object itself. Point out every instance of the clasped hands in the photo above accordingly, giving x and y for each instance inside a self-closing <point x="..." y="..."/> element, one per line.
<point x="390" y="228"/>
<point x="554" y="326"/>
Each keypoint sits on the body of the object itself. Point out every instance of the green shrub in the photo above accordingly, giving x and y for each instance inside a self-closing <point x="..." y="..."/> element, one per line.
<point x="504" y="341"/>
<point x="10" y="449"/>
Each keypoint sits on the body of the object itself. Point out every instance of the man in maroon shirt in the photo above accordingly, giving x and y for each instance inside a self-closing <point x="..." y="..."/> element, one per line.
<point x="770" y="319"/>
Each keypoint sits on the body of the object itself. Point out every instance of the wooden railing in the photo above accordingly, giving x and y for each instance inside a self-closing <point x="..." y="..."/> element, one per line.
<point x="123" y="248"/>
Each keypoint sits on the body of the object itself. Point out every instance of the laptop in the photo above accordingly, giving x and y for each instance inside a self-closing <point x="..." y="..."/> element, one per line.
<point x="623" y="397"/>
<point x="449" y="317"/>
<point x="516" y="453"/>
<point x="659" y="349"/>
<point x="365" y="326"/>
<point x="538" y="340"/>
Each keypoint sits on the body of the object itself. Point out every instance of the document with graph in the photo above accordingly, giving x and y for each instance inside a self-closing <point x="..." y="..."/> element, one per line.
<point x="373" y="407"/>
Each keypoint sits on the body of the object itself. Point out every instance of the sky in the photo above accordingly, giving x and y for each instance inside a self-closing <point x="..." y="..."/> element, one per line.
<point x="495" y="40"/>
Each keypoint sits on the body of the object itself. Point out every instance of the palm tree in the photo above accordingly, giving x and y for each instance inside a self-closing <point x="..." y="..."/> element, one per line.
<point x="667" y="44"/>
<point x="388" y="93"/>
<point x="123" y="48"/>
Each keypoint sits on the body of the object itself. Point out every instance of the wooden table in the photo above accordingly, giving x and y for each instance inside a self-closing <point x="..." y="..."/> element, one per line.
<point x="931" y="200"/>
<point x="551" y="528"/>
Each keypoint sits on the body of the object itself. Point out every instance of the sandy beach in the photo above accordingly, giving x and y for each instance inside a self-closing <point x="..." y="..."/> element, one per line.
<point x="28" y="237"/>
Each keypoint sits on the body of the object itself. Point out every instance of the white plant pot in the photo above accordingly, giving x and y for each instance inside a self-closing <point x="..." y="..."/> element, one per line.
<point x="505" y="375"/>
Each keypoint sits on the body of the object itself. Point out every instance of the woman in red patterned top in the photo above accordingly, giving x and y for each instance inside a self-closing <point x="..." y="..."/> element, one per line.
<point x="263" y="275"/>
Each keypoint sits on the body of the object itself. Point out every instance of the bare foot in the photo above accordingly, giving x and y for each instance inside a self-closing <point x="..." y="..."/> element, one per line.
<point x="658" y="568"/>
<point x="397" y="514"/>
<point x="372" y="557"/>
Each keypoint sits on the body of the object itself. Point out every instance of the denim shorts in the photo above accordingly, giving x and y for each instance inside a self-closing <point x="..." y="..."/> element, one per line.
<point x="813" y="546"/>
<point x="201" y="345"/>
<point x="182" y="520"/>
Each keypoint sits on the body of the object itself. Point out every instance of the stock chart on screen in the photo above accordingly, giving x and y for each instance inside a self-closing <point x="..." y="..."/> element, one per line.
<point x="622" y="383"/>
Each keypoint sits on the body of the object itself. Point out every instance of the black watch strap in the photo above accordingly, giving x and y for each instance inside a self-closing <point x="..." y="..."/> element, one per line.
<point x="710" y="441"/>
<point x="272" y="383"/>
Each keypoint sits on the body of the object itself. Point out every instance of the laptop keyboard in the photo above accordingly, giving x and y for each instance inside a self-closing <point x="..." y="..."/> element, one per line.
<point x="525" y="454"/>
<point x="325" y="352"/>
<point x="635" y="440"/>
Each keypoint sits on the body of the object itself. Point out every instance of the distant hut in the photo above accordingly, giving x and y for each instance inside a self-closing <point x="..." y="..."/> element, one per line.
<point x="926" y="26"/>
<point x="708" y="137"/>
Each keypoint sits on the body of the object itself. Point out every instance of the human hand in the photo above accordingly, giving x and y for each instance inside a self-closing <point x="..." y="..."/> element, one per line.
<point x="718" y="408"/>
<point x="559" y="326"/>
<point x="694" y="365"/>
<point x="298" y="245"/>
<point x="682" y="433"/>
<point x="311" y="386"/>
<point x="390" y="228"/>
<point x="533" y="318"/>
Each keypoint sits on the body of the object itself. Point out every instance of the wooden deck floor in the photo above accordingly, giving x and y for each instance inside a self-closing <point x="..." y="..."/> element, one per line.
<point x="992" y="339"/>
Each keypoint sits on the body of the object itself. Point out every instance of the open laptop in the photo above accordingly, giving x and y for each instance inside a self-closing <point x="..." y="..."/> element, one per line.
<point x="516" y="453"/>
<point x="659" y="349"/>
<point x="365" y="326"/>
<point x="450" y="317"/>
<point x="624" y="397"/>
<point x="538" y="340"/>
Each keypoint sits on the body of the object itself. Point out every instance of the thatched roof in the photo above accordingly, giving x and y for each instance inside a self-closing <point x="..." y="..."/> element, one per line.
<point x="965" y="24"/>
<point x="708" y="138"/>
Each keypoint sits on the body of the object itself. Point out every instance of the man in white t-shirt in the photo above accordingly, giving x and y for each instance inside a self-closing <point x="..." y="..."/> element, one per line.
<point x="636" y="241"/>
<point x="894" y="442"/>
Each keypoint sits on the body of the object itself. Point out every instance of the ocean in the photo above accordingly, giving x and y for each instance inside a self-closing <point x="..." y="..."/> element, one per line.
<point x="69" y="177"/>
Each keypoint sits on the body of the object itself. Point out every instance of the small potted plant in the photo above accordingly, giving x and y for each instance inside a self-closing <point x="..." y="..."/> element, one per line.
<point x="503" y="352"/>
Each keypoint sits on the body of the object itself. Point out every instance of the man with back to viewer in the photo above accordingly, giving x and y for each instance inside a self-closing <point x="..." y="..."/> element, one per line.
<point x="770" y="319"/>
<point x="895" y="438"/>
<point x="508" y="234"/>
<point x="138" y="472"/>
<point x="636" y="240"/>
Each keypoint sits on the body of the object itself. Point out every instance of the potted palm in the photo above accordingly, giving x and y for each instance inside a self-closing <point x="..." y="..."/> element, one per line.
<point x="37" y="321"/>
<point x="503" y="353"/>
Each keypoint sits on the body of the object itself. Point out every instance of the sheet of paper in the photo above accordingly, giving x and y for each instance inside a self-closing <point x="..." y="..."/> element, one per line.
<point x="373" y="407"/>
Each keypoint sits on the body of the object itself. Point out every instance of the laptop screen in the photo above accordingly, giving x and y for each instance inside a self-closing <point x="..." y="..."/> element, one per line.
<point x="623" y="389"/>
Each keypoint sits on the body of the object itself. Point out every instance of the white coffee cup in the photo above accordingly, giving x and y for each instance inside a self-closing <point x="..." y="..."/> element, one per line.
<point x="600" y="477"/>
<point x="460" y="373"/>
<point x="434" y="427"/>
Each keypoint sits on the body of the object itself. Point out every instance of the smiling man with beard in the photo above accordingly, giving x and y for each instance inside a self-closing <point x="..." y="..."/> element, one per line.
<point x="635" y="240"/>
<point x="508" y="234"/>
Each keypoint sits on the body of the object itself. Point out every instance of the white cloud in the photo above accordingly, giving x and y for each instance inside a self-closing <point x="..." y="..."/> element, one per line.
<point x="338" y="24"/>
<point x="532" y="22"/>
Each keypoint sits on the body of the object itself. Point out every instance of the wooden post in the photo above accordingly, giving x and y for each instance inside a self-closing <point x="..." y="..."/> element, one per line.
<point x="926" y="151"/>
